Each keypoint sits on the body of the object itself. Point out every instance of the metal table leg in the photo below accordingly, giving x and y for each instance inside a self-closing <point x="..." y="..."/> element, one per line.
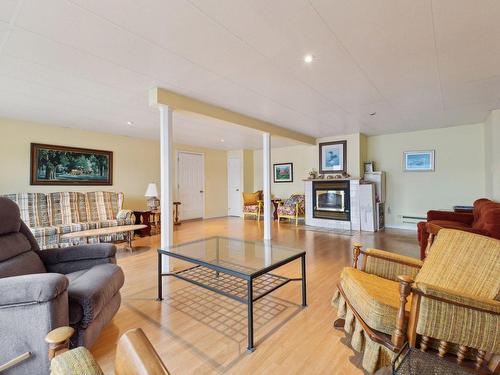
<point x="250" y="347"/>
<point x="304" y="291"/>
<point x="160" y="291"/>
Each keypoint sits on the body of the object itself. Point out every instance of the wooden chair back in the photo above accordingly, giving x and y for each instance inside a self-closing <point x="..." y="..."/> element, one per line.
<point x="136" y="356"/>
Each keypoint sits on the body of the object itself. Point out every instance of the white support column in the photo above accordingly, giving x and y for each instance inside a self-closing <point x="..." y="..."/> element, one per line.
<point x="167" y="159"/>
<point x="266" y="157"/>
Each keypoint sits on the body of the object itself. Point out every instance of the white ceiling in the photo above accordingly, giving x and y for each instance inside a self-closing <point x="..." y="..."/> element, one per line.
<point x="89" y="64"/>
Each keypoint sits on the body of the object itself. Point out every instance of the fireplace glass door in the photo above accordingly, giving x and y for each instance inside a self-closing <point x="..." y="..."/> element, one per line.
<point x="330" y="200"/>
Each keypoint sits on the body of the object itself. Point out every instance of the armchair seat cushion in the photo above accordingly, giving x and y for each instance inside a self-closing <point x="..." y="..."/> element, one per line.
<point x="374" y="298"/>
<point x="286" y="210"/>
<point x="90" y="290"/>
<point x="254" y="208"/>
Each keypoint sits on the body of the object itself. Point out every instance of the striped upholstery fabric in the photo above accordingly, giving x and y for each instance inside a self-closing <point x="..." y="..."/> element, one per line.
<point x="465" y="268"/>
<point x="388" y="267"/>
<point x="63" y="208"/>
<point x="33" y="207"/>
<point x="49" y="216"/>
<point x="103" y="205"/>
<point x="78" y="361"/>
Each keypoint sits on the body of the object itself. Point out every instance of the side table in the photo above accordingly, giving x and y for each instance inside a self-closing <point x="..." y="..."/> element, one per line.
<point x="143" y="217"/>
<point x="276" y="203"/>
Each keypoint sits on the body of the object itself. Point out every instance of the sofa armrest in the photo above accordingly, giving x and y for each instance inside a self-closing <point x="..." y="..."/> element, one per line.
<point x="75" y="258"/>
<point x="124" y="215"/>
<point x="34" y="288"/>
<point x="461" y="217"/>
<point x="390" y="265"/>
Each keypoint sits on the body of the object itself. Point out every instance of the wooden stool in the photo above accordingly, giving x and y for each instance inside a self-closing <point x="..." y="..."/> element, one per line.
<point x="176" y="213"/>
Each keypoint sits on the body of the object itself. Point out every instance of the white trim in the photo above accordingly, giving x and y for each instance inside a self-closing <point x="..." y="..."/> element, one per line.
<point x="412" y="227"/>
<point x="266" y="181"/>
<point x="202" y="154"/>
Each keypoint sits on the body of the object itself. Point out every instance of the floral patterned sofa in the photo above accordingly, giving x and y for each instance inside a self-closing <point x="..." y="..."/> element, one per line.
<point x="51" y="215"/>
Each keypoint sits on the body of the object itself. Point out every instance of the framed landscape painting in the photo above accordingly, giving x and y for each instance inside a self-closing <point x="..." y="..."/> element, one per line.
<point x="60" y="165"/>
<point x="418" y="161"/>
<point x="333" y="157"/>
<point x="283" y="172"/>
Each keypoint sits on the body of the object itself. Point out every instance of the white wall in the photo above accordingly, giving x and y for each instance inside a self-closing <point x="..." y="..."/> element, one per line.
<point x="458" y="179"/>
<point x="492" y="155"/>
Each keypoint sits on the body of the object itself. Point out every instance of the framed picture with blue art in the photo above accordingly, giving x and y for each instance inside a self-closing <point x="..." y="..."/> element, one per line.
<point x="62" y="165"/>
<point x="333" y="157"/>
<point x="283" y="172"/>
<point x="418" y="161"/>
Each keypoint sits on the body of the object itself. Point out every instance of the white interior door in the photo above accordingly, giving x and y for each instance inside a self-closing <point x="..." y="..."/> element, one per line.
<point x="233" y="187"/>
<point x="190" y="185"/>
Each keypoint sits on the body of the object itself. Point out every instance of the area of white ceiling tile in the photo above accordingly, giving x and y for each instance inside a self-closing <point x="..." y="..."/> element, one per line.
<point x="89" y="64"/>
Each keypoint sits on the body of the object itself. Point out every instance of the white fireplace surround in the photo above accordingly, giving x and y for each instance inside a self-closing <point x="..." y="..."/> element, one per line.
<point x="354" y="224"/>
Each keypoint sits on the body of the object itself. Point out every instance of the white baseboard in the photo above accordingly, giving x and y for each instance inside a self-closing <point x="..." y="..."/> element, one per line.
<point x="412" y="227"/>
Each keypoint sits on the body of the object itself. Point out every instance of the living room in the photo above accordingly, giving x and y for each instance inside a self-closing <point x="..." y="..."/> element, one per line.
<point x="287" y="156"/>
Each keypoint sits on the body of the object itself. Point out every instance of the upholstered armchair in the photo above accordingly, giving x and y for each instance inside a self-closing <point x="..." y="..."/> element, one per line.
<point x="449" y="302"/>
<point x="253" y="205"/>
<point x="293" y="208"/>
<point x="43" y="290"/>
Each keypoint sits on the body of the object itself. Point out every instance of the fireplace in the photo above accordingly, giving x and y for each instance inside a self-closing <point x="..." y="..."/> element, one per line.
<point x="331" y="200"/>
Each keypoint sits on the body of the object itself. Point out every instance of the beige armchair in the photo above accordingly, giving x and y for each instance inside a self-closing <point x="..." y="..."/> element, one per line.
<point x="449" y="302"/>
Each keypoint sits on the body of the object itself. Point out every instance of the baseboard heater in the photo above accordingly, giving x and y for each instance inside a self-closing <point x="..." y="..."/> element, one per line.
<point x="412" y="219"/>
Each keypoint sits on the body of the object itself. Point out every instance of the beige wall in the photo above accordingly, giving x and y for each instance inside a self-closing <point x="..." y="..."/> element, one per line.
<point x="136" y="162"/>
<point x="304" y="158"/>
<point x="459" y="176"/>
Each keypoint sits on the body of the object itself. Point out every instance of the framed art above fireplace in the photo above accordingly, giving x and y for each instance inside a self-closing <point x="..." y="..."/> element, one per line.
<point x="333" y="157"/>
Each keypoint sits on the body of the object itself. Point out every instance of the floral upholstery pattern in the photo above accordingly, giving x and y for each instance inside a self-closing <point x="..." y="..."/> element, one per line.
<point x="288" y="208"/>
<point x="254" y="208"/>
<point x="49" y="216"/>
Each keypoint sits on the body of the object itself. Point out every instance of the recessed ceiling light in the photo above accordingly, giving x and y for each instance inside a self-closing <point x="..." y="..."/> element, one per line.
<point x="373" y="113"/>
<point x="308" y="58"/>
<point x="222" y="140"/>
<point x="130" y="123"/>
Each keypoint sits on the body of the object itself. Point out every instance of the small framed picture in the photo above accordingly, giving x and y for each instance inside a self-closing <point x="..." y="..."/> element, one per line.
<point x="418" y="161"/>
<point x="283" y="172"/>
<point x="333" y="157"/>
<point x="369" y="166"/>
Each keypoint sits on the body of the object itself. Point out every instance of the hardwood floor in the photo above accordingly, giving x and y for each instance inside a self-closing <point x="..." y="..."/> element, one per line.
<point x="199" y="332"/>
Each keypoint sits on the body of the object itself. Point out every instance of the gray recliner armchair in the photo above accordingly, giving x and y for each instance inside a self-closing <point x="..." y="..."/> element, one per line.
<point x="42" y="290"/>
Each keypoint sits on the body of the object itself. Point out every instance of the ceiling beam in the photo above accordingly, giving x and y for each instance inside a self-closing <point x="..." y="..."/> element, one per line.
<point x="159" y="96"/>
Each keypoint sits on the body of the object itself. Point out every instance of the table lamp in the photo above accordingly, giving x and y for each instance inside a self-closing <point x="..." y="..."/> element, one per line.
<point x="152" y="195"/>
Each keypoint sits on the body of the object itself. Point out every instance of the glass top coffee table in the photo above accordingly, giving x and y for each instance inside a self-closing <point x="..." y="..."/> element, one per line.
<point x="234" y="268"/>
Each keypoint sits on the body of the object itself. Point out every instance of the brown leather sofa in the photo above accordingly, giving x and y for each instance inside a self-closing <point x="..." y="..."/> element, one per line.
<point x="484" y="219"/>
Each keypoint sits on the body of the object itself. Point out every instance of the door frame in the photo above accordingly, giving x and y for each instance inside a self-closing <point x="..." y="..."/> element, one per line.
<point x="240" y="209"/>
<point x="202" y="154"/>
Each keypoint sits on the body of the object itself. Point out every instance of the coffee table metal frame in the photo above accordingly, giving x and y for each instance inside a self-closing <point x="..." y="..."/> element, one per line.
<point x="251" y="295"/>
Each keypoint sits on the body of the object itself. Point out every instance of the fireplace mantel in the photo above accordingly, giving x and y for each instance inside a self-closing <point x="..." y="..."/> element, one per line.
<point x="352" y="224"/>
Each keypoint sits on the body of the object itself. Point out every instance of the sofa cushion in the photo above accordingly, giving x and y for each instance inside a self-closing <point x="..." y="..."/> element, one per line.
<point x="449" y="224"/>
<point x="33" y="208"/>
<point x="374" y="298"/>
<point x="90" y="290"/>
<point x="103" y="205"/>
<point x="63" y="207"/>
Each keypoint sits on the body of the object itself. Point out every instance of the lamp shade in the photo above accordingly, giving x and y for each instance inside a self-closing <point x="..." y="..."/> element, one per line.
<point x="151" y="191"/>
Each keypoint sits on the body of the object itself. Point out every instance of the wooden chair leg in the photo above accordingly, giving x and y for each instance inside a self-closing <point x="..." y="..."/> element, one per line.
<point x="339" y="323"/>
<point x="443" y="348"/>
<point x="462" y="351"/>
<point x="399" y="334"/>
<point x="424" y="343"/>
<point x="480" y="358"/>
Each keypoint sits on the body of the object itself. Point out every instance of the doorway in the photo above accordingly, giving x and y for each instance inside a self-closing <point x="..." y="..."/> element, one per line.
<point x="234" y="187"/>
<point x="191" y="185"/>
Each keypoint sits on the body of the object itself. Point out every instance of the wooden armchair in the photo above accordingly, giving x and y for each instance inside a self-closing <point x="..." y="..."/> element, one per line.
<point x="293" y="208"/>
<point x="253" y="205"/>
<point x="134" y="355"/>
<point x="449" y="303"/>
